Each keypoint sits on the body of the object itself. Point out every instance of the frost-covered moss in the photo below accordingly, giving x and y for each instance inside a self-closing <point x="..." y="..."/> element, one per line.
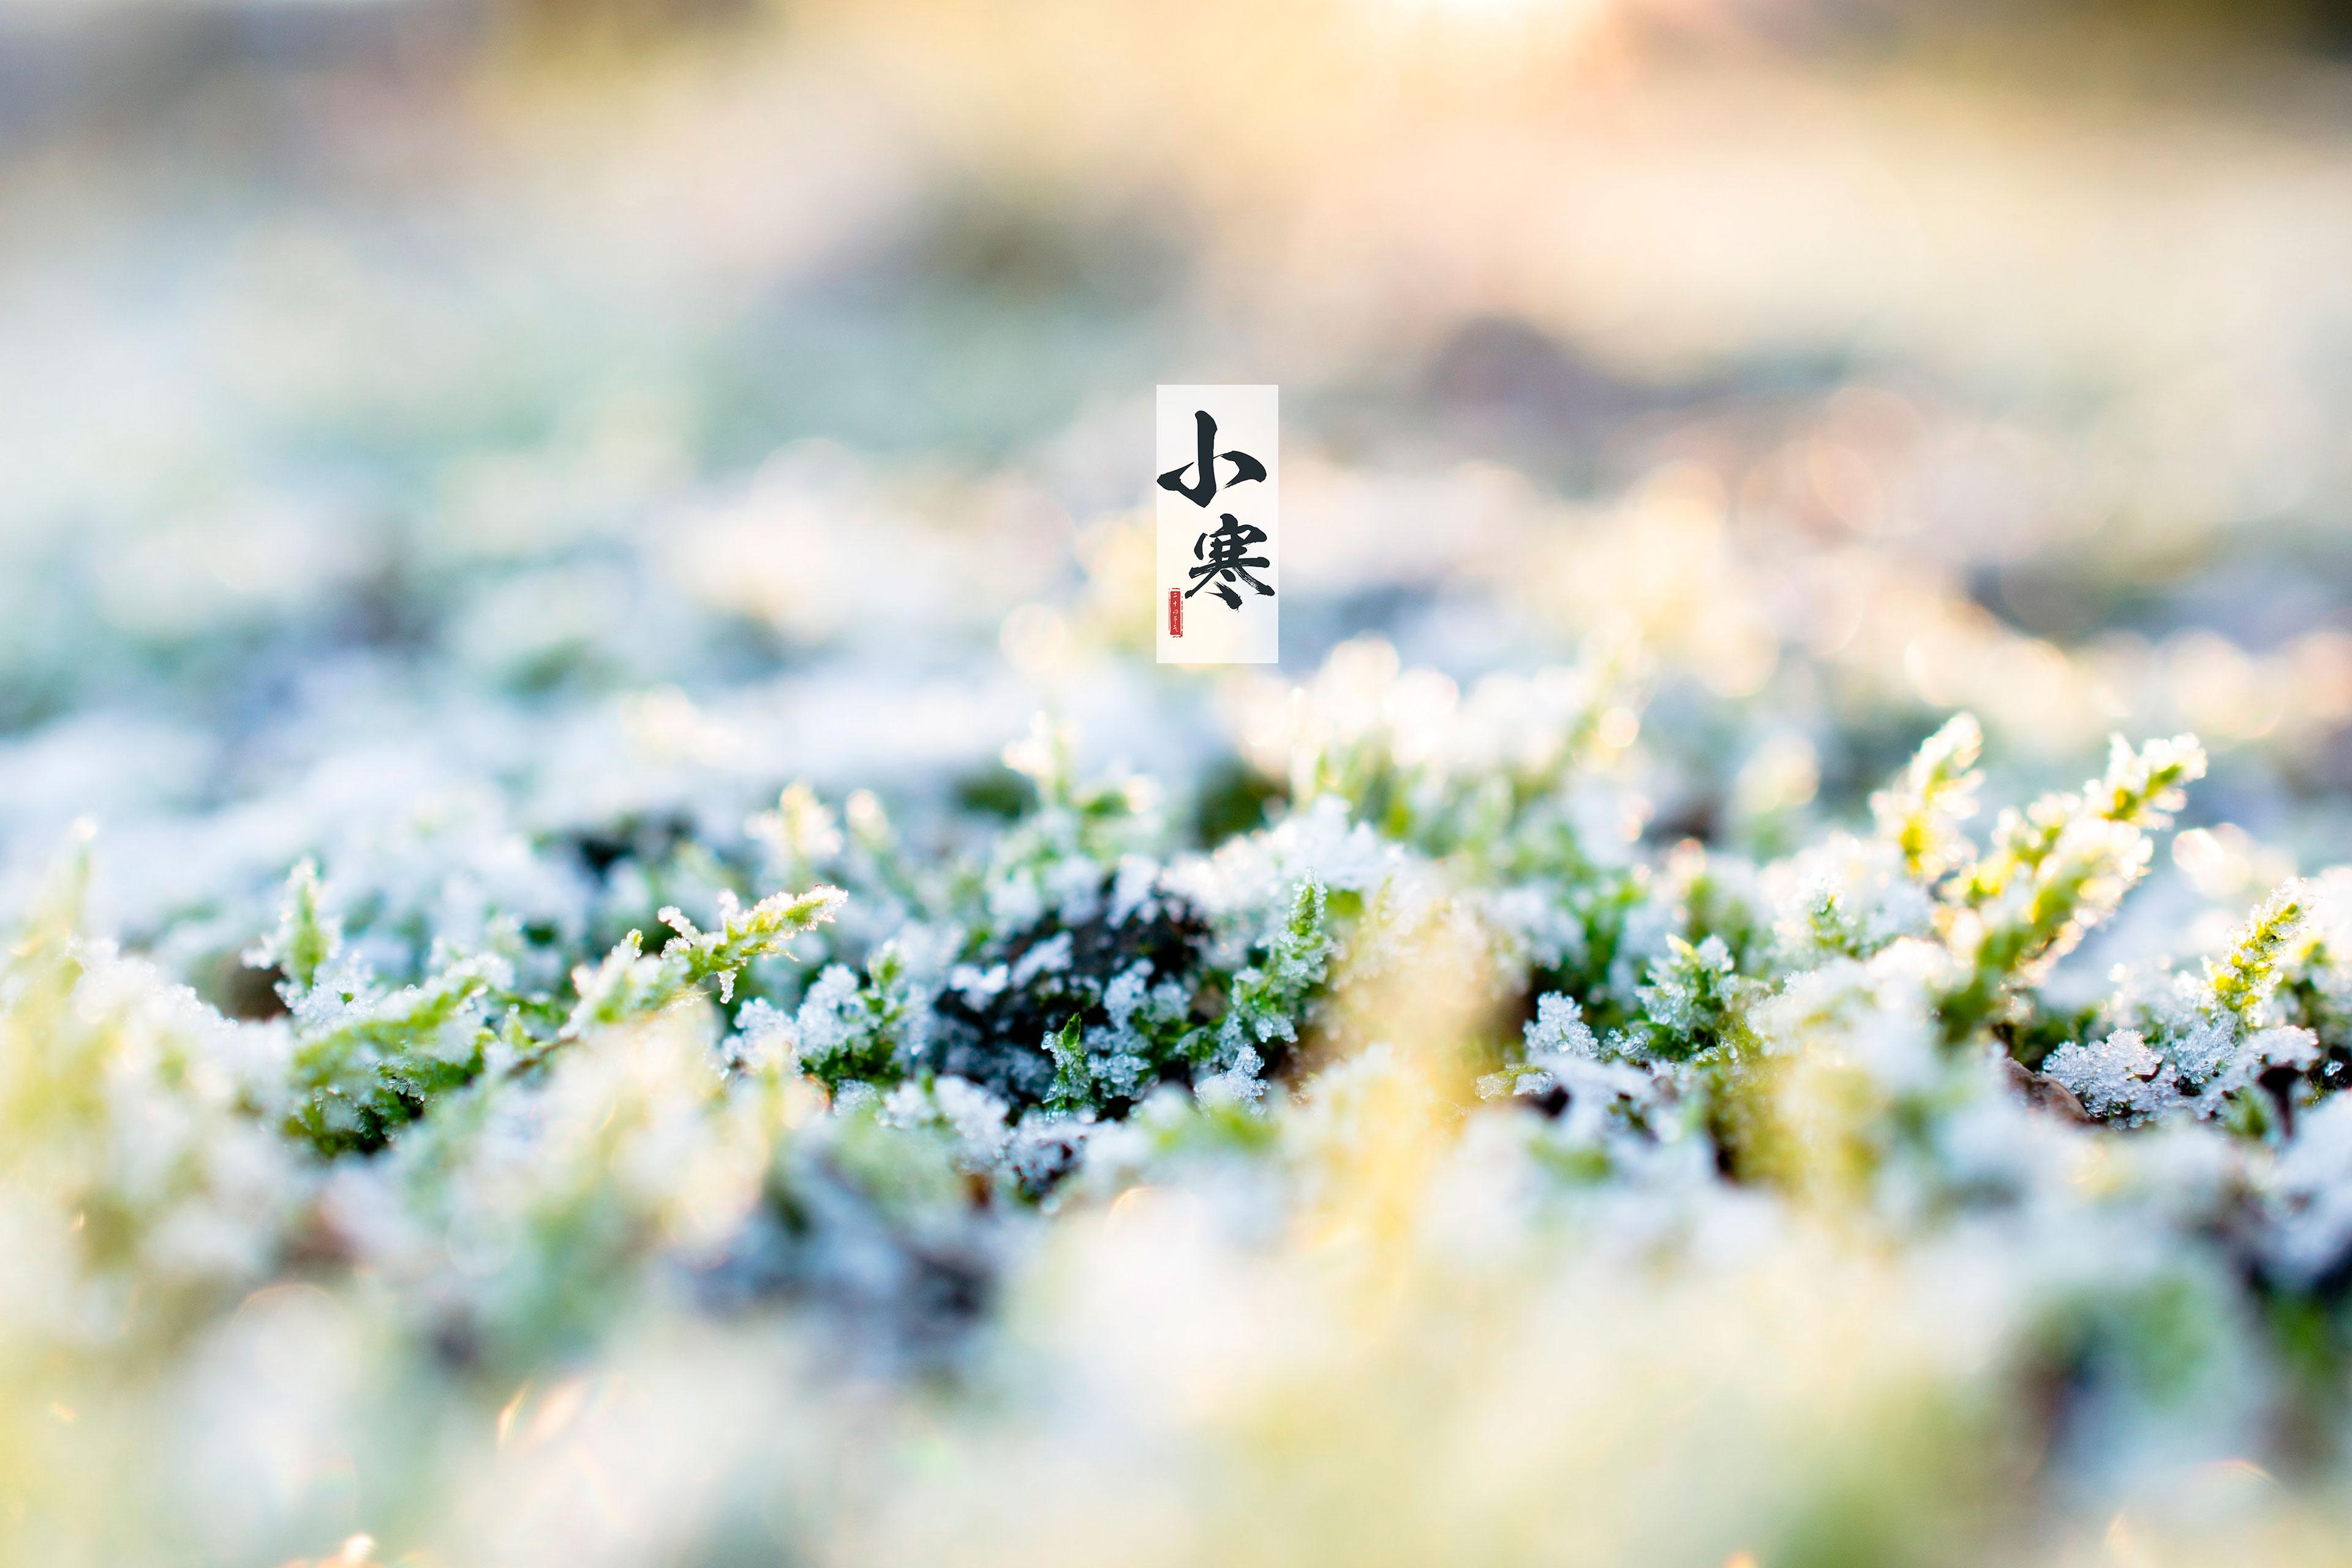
<point x="1415" y="1023"/>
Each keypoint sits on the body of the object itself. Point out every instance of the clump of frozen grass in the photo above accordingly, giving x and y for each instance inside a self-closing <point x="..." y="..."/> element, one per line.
<point x="2216" y="1042"/>
<point x="1920" y="814"/>
<point x="2055" y="869"/>
<point x="628" y="983"/>
<point x="1693" y="1005"/>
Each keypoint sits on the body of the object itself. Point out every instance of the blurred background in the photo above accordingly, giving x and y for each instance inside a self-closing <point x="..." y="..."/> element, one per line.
<point x="627" y="404"/>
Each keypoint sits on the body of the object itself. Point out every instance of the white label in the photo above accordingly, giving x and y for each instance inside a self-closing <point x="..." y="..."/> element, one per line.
<point x="1218" y="490"/>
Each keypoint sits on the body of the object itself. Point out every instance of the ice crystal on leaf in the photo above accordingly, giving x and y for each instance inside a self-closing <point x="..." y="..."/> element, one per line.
<point x="2117" y="1077"/>
<point x="629" y="982"/>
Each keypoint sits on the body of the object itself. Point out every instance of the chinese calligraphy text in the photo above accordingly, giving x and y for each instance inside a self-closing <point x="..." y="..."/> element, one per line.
<point x="1218" y="501"/>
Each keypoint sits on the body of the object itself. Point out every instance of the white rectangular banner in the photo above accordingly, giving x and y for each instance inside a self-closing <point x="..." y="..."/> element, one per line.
<point x="1220" y="534"/>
